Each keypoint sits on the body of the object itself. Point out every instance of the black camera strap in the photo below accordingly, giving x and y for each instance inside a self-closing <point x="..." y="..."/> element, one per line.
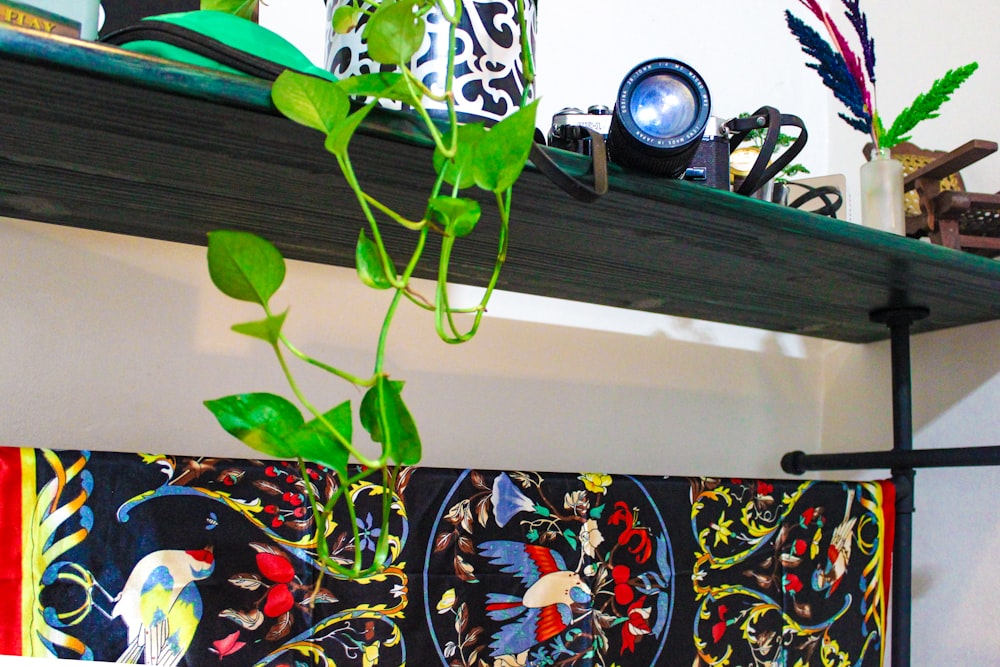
<point x="570" y="184"/>
<point x="764" y="169"/>
<point x="828" y="194"/>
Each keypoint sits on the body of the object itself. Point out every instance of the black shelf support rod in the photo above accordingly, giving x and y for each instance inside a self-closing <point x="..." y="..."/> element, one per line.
<point x="799" y="463"/>
<point x="899" y="320"/>
<point x="901" y="460"/>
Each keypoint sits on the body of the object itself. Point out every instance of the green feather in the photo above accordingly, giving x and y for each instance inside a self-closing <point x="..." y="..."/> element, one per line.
<point x="925" y="106"/>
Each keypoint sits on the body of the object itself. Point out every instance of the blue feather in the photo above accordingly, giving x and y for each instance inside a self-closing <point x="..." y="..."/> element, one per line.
<point x="504" y="614"/>
<point x="833" y="72"/>
<point x="517" y="561"/>
<point x="518" y="637"/>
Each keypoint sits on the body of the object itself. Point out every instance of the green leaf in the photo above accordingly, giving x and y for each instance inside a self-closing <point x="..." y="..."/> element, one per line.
<point x="314" y="441"/>
<point x="397" y="432"/>
<point x="570" y="537"/>
<point x="309" y="100"/>
<point x="502" y="153"/>
<point x="459" y="170"/>
<point x="345" y="19"/>
<point x="244" y="266"/>
<point x="394" y="33"/>
<point x="244" y="8"/>
<point x="261" y="421"/>
<point x="339" y="136"/>
<point x="458" y="215"/>
<point x="926" y="105"/>
<point x="381" y="85"/>
<point x="368" y="261"/>
<point x="267" y="329"/>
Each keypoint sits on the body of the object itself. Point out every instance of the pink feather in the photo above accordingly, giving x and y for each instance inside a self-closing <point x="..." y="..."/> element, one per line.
<point x="853" y="62"/>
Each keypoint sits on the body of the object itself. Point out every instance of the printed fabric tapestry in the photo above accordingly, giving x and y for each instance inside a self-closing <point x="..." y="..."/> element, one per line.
<point x="178" y="560"/>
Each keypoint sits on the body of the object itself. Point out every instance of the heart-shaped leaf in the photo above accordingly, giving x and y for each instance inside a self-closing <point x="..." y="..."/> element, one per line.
<point x="381" y="85"/>
<point x="458" y="215"/>
<point x="244" y="266"/>
<point x="314" y="441"/>
<point x="397" y="431"/>
<point x="340" y="133"/>
<point x="459" y="169"/>
<point x="309" y="100"/>
<point x="345" y="19"/>
<point x="501" y="155"/>
<point x="394" y="32"/>
<point x="260" y="420"/>
<point x="368" y="261"/>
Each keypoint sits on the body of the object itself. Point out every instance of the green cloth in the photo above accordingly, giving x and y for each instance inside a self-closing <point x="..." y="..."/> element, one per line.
<point x="236" y="32"/>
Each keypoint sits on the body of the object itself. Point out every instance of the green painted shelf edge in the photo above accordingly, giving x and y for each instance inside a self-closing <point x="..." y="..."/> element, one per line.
<point x="99" y="138"/>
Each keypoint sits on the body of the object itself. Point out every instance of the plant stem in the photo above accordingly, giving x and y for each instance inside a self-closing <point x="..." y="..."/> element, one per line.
<point x="527" y="62"/>
<point x="344" y="375"/>
<point x="388" y="266"/>
<point x="344" y="442"/>
<point x="384" y="333"/>
<point x="405" y="222"/>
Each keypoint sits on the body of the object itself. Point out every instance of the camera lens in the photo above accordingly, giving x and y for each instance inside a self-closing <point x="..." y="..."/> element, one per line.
<point x="659" y="118"/>
<point x="662" y="106"/>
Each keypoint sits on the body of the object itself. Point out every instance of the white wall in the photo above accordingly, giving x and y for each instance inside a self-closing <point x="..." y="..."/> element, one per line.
<point x="117" y="340"/>
<point x="112" y="342"/>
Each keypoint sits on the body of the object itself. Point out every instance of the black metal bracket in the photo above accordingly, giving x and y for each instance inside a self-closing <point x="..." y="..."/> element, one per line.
<point x="901" y="460"/>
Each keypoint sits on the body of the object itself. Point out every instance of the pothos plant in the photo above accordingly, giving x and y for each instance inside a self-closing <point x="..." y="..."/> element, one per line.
<point x="249" y="268"/>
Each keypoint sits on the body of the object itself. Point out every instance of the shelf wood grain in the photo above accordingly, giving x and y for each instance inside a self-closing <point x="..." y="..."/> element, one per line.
<point x="99" y="138"/>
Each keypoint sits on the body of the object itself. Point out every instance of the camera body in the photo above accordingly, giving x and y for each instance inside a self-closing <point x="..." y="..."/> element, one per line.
<point x="709" y="166"/>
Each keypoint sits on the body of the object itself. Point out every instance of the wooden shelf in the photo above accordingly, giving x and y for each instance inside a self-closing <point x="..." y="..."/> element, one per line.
<point x="98" y="138"/>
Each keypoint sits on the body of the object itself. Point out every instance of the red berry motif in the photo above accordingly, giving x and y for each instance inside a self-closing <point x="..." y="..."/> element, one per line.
<point x="279" y="600"/>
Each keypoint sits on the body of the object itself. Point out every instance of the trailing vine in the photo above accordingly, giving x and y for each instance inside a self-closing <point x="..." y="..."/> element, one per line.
<point x="249" y="268"/>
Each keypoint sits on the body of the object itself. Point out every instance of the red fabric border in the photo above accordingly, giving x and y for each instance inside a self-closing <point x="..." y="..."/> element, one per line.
<point x="889" y="523"/>
<point x="10" y="557"/>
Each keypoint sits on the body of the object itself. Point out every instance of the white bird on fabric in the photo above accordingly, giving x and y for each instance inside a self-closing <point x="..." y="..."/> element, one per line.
<point x="161" y="606"/>
<point x="544" y="610"/>
<point x="838" y="554"/>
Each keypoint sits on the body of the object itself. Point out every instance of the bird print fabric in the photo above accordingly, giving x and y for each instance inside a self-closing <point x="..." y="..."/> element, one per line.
<point x="167" y="560"/>
<point x="161" y="606"/>
<point x="545" y="607"/>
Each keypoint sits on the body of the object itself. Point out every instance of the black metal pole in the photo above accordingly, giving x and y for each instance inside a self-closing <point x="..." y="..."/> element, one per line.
<point x="799" y="463"/>
<point x="899" y="320"/>
<point x="901" y="460"/>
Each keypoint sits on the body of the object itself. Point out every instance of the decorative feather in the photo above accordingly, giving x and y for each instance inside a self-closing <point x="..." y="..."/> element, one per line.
<point x="852" y="79"/>
<point x="926" y="105"/>
<point x="834" y="72"/>
<point x="843" y="47"/>
<point x="860" y="22"/>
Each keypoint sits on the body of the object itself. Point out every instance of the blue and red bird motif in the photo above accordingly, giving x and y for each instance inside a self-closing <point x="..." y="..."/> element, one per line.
<point x="545" y="608"/>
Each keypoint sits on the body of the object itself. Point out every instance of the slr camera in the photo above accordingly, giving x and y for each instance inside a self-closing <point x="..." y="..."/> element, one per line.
<point x="660" y="124"/>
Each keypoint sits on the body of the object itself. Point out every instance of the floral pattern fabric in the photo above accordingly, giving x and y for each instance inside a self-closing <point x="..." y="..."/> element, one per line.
<point x="203" y="561"/>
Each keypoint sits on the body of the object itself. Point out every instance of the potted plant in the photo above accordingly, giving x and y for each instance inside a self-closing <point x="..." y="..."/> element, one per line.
<point x="248" y="268"/>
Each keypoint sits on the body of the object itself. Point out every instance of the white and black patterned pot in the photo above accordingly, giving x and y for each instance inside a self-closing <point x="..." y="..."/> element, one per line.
<point x="489" y="78"/>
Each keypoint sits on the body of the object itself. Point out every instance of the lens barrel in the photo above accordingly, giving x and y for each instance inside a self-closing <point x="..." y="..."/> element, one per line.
<point x="659" y="118"/>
